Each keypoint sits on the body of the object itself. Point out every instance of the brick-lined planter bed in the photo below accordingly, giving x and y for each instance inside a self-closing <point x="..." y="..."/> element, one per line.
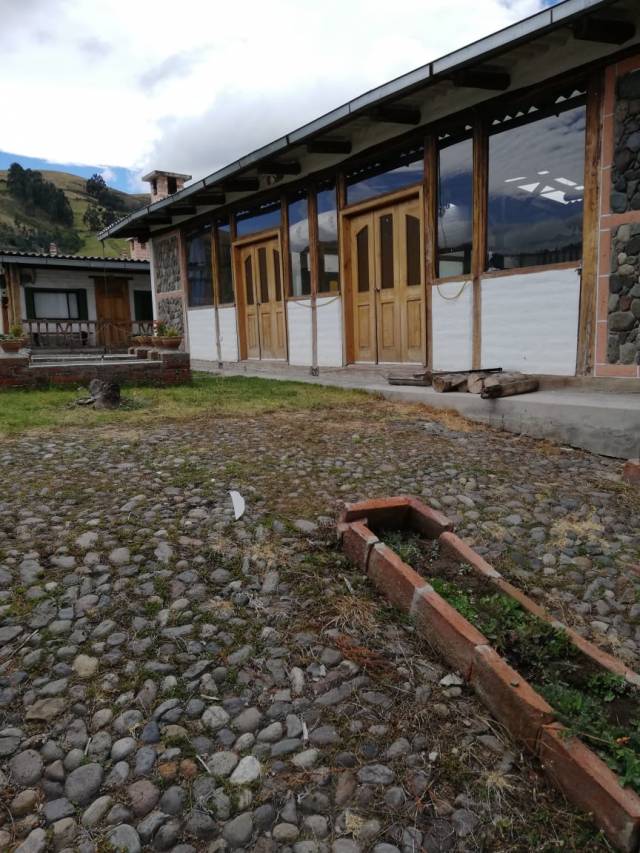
<point x="166" y="368"/>
<point x="581" y="774"/>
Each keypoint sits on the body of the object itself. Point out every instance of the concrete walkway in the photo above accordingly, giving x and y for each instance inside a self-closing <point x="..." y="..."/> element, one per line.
<point x="600" y="422"/>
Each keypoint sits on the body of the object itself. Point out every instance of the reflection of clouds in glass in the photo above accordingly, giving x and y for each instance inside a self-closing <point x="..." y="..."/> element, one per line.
<point x="536" y="175"/>
<point x="385" y="182"/>
<point x="552" y="146"/>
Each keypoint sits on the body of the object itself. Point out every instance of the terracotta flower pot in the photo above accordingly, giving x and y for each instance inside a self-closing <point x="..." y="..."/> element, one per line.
<point x="168" y="341"/>
<point x="13" y="345"/>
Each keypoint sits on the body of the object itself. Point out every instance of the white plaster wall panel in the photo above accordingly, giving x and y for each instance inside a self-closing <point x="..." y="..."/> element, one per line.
<point x="228" y="333"/>
<point x="329" y="313"/>
<point x="530" y="322"/>
<point x="299" y="325"/>
<point x="202" y="334"/>
<point x="452" y="325"/>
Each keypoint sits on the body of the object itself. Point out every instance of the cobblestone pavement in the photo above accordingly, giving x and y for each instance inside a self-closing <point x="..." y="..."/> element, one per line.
<point x="172" y="679"/>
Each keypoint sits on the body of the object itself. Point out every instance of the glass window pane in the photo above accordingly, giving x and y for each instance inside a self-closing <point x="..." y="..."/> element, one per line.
<point x="298" y="212"/>
<point x="276" y="270"/>
<point x="328" y="261"/>
<point x="412" y="235"/>
<point x="248" y="279"/>
<point x="262" y="274"/>
<point x="536" y="174"/>
<point x="258" y="219"/>
<point x="455" y="208"/>
<point x="362" y="250"/>
<point x="51" y="305"/>
<point x="386" y="251"/>
<point x="72" y="303"/>
<point x="380" y="178"/>
<point x="199" y="268"/>
<point x="225" y="283"/>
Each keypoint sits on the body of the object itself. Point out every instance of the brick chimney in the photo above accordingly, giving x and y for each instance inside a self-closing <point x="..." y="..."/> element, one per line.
<point x="164" y="184"/>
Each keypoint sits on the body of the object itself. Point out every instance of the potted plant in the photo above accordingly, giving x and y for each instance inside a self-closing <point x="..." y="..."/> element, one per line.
<point x="14" y="340"/>
<point x="167" y="337"/>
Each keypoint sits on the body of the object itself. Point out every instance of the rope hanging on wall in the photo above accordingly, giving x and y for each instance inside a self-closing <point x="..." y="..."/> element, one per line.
<point x="456" y="296"/>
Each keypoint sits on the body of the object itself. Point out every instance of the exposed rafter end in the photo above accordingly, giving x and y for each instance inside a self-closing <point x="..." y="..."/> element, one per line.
<point x="329" y="146"/>
<point x="159" y="219"/>
<point x="183" y="209"/>
<point x="604" y="30"/>
<point x="241" y="185"/>
<point x="210" y="198"/>
<point x="396" y="115"/>
<point x="495" y="79"/>
<point x="273" y="167"/>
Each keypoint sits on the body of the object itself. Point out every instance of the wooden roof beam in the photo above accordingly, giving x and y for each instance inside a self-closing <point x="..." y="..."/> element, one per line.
<point x="396" y="115"/>
<point x="159" y="218"/>
<point x="273" y="167"/>
<point x="604" y="30"/>
<point x="210" y="197"/>
<point x="329" y="146"/>
<point x="496" y="79"/>
<point x="183" y="209"/>
<point x="241" y="185"/>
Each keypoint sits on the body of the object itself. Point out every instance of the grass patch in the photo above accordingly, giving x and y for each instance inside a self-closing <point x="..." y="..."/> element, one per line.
<point x="206" y="396"/>
<point x="600" y="708"/>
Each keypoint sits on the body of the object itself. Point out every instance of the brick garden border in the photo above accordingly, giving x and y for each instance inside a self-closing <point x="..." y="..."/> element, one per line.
<point x="579" y="773"/>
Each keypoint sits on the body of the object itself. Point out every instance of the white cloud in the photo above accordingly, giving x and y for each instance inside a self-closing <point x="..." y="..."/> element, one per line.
<point x="193" y="86"/>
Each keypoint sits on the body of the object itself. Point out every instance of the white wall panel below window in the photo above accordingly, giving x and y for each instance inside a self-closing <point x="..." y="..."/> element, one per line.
<point x="228" y="333"/>
<point x="330" y="331"/>
<point x="299" y="326"/>
<point x="202" y="334"/>
<point x="452" y="325"/>
<point x="530" y="322"/>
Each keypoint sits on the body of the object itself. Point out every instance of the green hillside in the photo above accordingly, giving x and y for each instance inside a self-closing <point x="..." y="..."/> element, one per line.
<point x="74" y="188"/>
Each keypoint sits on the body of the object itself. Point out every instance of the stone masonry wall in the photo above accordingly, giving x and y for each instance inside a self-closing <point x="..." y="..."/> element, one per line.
<point x="170" y="312"/>
<point x="166" y="258"/>
<point x="623" y="345"/>
<point x="625" y="170"/>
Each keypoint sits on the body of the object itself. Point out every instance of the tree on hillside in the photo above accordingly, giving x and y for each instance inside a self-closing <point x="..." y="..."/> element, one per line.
<point x="35" y="193"/>
<point x="96" y="187"/>
<point x="96" y="217"/>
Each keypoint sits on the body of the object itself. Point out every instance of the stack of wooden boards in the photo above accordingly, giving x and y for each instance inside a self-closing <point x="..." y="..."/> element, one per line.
<point x="490" y="383"/>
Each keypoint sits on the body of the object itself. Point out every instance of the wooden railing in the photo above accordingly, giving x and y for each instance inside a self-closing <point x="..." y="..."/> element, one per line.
<point x="79" y="334"/>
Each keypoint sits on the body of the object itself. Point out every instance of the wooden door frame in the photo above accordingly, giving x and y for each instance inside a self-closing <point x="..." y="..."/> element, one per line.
<point x="346" y="215"/>
<point x="241" y="243"/>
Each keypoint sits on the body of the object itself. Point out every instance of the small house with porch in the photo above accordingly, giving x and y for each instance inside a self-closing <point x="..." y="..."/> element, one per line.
<point x="72" y="302"/>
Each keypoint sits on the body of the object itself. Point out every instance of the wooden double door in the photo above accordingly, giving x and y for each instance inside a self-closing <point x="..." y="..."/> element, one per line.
<point x="260" y="271"/>
<point x="386" y="250"/>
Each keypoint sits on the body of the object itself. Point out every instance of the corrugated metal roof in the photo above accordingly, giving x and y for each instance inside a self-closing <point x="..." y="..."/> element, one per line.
<point x="90" y="261"/>
<point x="474" y="53"/>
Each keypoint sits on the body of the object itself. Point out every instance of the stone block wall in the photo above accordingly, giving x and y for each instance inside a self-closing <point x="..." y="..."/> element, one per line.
<point x="623" y="307"/>
<point x="170" y="311"/>
<point x="625" y="169"/>
<point x="168" y="277"/>
<point x="168" y="368"/>
<point x="166" y="257"/>
<point x="618" y="290"/>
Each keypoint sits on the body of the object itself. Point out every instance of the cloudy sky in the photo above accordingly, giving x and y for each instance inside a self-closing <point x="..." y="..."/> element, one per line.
<point x="190" y="86"/>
